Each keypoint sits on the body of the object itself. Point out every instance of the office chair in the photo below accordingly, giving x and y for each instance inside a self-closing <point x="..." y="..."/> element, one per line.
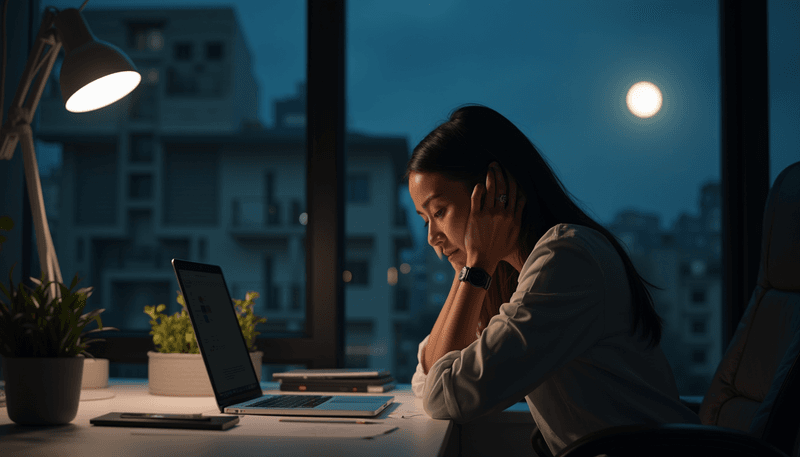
<point x="751" y="408"/>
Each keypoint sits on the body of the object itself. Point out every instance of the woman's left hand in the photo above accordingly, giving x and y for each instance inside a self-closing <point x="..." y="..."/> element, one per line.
<point x="494" y="220"/>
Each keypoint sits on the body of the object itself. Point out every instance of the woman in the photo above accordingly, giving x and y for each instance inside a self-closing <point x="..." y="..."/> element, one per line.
<point x="549" y="306"/>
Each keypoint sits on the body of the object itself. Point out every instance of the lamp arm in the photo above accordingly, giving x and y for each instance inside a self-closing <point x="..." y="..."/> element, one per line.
<point x="17" y="128"/>
<point x="32" y="83"/>
<point x="44" y="240"/>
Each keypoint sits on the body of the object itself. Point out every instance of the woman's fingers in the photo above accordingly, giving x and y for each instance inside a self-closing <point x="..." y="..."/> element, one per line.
<point x="491" y="188"/>
<point x="477" y="195"/>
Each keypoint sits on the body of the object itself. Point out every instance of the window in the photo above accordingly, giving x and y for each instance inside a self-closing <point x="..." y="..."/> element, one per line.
<point x="183" y="51"/>
<point x="146" y="36"/>
<point x="698" y="296"/>
<point x="140" y="187"/>
<point x="561" y="72"/>
<point x="214" y="51"/>
<point x="699" y="356"/>
<point x="699" y="327"/>
<point x="784" y="79"/>
<point x="188" y="139"/>
<point x="356" y="273"/>
<point x="365" y="50"/>
<point x="141" y="148"/>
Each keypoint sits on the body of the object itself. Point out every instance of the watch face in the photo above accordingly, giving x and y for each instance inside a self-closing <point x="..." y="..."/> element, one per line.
<point x="477" y="276"/>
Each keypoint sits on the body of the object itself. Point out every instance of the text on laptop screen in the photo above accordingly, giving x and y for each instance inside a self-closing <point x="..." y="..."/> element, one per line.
<point x="218" y="332"/>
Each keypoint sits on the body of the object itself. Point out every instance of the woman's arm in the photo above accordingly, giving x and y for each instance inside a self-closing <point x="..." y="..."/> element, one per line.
<point x="492" y="233"/>
<point x="455" y="327"/>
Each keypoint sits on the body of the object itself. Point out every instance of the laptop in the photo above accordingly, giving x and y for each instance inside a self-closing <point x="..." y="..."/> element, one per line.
<point x="227" y="361"/>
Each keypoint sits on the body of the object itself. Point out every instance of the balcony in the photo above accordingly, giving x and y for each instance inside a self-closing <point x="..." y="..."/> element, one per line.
<point x="255" y="220"/>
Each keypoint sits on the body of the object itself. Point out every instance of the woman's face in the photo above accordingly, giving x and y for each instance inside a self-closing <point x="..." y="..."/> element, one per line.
<point x="444" y="206"/>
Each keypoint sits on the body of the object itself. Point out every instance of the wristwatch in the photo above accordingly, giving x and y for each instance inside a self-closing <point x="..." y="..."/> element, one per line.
<point x="475" y="276"/>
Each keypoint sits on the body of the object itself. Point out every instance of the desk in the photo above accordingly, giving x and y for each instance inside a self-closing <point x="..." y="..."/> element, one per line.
<point x="418" y="435"/>
<point x="506" y="433"/>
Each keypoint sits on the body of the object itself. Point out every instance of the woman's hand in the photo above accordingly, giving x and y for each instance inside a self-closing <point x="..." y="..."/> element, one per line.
<point x="494" y="220"/>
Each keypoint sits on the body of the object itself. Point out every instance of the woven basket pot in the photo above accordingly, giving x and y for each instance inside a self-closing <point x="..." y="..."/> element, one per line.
<point x="184" y="375"/>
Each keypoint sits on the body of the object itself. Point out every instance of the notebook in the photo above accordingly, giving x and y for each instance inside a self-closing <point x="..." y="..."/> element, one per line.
<point x="227" y="361"/>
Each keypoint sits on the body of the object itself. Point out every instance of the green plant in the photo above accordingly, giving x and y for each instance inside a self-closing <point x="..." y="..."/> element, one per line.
<point x="174" y="334"/>
<point x="35" y="323"/>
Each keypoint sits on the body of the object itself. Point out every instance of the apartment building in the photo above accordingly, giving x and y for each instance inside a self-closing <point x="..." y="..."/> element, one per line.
<point x="183" y="168"/>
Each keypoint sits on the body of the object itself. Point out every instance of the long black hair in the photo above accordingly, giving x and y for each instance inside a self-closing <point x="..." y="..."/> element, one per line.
<point x="462" y="148"/>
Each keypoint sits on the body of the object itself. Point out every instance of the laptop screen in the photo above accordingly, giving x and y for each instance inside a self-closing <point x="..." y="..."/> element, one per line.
<point x="217" y="329"/>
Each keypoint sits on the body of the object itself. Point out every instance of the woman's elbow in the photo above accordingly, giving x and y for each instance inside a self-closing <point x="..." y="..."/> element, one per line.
<point x="438" y="407"/>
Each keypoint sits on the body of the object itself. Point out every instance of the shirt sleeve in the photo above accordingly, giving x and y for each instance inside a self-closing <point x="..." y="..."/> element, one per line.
<point x="418" y="380"/>
<point x="556" y="314"/>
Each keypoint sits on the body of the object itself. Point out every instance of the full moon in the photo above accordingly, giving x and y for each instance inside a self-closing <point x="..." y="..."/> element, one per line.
<point x="644" y="99"/>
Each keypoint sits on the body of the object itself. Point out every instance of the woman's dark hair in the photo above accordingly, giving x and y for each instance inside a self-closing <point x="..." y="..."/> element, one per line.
<point x="462" y="148"/>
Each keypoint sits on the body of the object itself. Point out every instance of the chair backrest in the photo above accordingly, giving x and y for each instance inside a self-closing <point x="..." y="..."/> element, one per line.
<point x="753" y="379"/>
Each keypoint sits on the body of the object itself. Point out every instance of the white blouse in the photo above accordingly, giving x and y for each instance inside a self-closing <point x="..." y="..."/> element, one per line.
<point x="563" y="342"/>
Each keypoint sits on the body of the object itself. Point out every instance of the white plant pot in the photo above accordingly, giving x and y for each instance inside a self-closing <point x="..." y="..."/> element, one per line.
<point x="42" y="390"/>
<point x="95" y="373"/>
<point x="184" y="375"/>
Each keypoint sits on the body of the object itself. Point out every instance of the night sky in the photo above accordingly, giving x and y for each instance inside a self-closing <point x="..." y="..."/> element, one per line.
<point x="559" y="70"/>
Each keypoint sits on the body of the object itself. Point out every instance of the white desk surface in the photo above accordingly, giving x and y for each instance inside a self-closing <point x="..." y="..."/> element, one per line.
<point x="417" y="435"/>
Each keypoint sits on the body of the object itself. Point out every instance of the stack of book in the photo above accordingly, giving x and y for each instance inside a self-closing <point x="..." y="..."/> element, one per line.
<point x="336" y="380"/>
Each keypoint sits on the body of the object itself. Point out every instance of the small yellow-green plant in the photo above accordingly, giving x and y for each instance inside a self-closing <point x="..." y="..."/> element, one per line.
<point x="174" y="334"/>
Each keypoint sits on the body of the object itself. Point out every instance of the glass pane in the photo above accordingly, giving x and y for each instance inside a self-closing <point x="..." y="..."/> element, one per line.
<point x="784" y="84"/>
<point x="561" y="72"/>
<point x="204" y="161"/>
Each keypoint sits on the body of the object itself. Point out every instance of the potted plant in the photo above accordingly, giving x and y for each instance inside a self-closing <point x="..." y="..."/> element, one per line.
<point x="43" y="341"/>
<point x="176" y="367"/>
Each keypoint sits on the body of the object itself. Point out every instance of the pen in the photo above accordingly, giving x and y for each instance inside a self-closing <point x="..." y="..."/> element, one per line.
<point x="323" y="421"/>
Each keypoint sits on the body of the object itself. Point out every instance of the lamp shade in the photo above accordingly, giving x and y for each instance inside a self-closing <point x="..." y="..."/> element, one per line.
<point x="94" y="73"/>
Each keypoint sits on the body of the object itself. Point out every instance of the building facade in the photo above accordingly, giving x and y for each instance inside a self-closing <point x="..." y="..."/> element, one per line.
<point x="183" y="168"/>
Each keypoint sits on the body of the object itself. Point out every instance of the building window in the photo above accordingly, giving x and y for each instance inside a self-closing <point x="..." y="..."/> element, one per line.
<point x="140" y="187"/>
<point x="698" y="296"/>
<point x="141" y="148"/>
<point x="145" y="36"/>
<point x="214" y="50"/>
<point x="181" y="82"/>
<point x="356" y="273"/>
<point x="698" y="327"/>
<point x="183" y="51"/>
<point x="358" y="189"/>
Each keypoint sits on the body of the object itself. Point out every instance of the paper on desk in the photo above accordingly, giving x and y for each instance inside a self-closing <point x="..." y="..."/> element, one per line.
<point x="256" y="426"/>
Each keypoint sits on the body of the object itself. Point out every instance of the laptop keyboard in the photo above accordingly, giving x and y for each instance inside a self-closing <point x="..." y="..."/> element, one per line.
<point x="292" y="401"/>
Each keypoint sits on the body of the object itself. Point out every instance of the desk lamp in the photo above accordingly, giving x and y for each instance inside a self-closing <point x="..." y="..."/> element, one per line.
<point x="94" y="74"/>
